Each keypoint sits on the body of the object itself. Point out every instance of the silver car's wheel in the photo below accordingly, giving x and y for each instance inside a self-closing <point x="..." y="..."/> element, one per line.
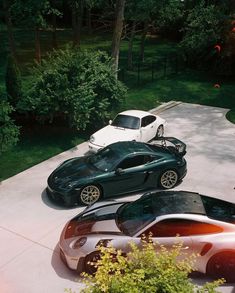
<point x="90" y="194"/>
<point x="222" y="265"/>
<point x="90" y="262"/>
<point x="168" y="179"/>
<point x="160" y="131"/>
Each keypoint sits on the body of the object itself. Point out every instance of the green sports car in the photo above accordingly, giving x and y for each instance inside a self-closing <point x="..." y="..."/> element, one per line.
<point x="118" y="169"/>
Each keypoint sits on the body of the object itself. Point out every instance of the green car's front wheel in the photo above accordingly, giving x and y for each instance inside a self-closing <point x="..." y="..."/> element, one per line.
<point x="168" y="179"/>
<point x="90" y="194"/>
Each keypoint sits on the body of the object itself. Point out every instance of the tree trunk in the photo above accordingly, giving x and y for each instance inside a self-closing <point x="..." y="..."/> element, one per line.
<point x="54" y="34"/>
<point x="89" y="25"/>
<point x="119" y="14"/>
<point x="77" y="17"/>
<point x="11" y="39"/>
<point x="130" y="46"/>
<point x="143" y="39"/>
<point x="37" y="45"/>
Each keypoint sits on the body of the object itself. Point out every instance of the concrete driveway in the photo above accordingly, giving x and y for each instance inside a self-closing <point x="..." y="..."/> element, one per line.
<point x="30" y="225"/>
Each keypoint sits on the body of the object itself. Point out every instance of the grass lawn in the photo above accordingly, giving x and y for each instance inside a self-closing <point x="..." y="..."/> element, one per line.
<point x="35" y="146"/>
<point x="187" y="86"/>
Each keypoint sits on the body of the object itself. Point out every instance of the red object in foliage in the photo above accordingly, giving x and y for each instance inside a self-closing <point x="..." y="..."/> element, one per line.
<point x="233" y="29"/>
<point x="218" y="48"/>
<point x="216" y="85"/>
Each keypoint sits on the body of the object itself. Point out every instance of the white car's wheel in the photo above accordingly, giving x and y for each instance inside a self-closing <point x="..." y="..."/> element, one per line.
<point x="90" y="262"/>
<point x="160" y="131"/>
<point x="222" y="265"/>
<point x="90" y="194"/>
<point x="168" y="179"/>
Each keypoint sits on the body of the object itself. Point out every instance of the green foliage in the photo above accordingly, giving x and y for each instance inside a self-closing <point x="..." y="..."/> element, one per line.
<point x="203" y="29"/>
<point x="170" y="17"/>
<point x="31" y="12"/>
<point x="9" y="132"/>
<point x="150" y="269"/>
<point x="13" y="81"/>
<point x="80" y="85"/>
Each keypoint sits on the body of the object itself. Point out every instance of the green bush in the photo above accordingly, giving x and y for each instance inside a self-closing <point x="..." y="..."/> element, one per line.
<point x="145" y="270"/>
<point x="75" y="84"/>
<point x="9" y="132"/>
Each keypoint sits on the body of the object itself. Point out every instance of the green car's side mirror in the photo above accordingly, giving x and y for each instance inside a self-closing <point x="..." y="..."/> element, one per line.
<point x="119" y="171"/>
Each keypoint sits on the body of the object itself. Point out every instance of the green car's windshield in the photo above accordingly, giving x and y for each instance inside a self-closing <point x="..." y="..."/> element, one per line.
<point x="105" y="159"/>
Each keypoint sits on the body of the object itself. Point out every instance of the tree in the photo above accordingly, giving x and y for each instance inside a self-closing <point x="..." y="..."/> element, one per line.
<point x="9" y="132"/>
<point x="145" y="270"/>
<point x="77" y="85"/>
<point x="13" y="81"/>
<point x="77" y="8"/>
<point x="117" y="33"/>
<point x="32" y="13"/>
<point x="56" y="6"/>
<point x="170" y="18"/>
<point x="8" y="18"/>
<point x="202" y="31"/>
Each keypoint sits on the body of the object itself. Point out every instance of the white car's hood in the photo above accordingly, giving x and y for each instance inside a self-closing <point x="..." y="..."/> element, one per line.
<point x="111" y="134"/>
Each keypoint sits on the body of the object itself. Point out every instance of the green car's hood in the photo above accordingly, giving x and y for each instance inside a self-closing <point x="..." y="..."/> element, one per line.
<point x="73" y="170"/>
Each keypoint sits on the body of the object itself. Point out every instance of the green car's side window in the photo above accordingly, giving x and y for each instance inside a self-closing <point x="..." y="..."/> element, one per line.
<point x="134" y="161"/>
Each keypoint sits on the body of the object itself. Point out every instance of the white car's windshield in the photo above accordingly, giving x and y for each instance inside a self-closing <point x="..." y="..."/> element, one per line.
<point x="125" y="121"/>
<point x="105" y="159"/>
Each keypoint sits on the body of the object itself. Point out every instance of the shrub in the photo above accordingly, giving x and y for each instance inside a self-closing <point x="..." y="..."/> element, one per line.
<point x="9" y="132"/>
<point x="145" y="270"/>
<point x="78" y="85"/>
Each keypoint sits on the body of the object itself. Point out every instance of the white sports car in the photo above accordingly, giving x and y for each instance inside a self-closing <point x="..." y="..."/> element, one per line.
<point x="128" y="125"/>
<point x="205" y="225"/>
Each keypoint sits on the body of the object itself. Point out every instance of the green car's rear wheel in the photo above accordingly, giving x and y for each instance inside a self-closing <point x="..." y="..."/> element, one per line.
<point x="168" y="179"/>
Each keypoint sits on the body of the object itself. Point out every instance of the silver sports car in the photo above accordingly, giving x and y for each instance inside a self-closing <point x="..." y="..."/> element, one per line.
<point x="205" y="225"/>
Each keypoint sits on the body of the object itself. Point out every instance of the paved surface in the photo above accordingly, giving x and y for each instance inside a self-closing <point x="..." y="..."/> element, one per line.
<point x="30" y="225"/>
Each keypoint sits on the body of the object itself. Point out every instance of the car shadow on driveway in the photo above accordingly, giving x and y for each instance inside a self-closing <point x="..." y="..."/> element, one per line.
<point x="201" y="279"/>
<point x="60" y="268"/>
<point x="47" y="201"/>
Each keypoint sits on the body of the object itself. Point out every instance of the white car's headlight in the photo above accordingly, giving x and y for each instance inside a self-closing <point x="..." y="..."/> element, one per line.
<point x="92" y="138"/>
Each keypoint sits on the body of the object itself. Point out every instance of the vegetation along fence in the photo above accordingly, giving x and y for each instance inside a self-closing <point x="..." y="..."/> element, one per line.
<point x="150" y="70"/>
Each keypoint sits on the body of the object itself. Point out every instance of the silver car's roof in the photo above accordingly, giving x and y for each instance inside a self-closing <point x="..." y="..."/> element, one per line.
<point x="178" y="203"/>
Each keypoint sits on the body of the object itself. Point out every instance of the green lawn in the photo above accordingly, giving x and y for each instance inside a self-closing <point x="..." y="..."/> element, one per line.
<point x="35" y="146"/>
<point x="187" y="86"/>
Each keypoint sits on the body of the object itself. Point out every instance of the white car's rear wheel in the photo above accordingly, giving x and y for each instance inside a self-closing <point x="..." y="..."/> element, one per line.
<point x="160" y="131"/>
<point x="222" y="265"/>
<point x="90" y="194"/>
<point x="168" y="179"/>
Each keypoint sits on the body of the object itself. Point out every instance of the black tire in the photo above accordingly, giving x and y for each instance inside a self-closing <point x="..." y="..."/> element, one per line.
<point x="168" y="179"/>
<point x="222" y="265"/>
<point x="90" y="194"/>
<point x="160" y="131"/>
<point x="90" y="262"/>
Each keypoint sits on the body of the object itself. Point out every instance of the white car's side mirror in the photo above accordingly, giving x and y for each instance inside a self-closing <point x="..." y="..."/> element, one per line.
<point x="110" y="122"/>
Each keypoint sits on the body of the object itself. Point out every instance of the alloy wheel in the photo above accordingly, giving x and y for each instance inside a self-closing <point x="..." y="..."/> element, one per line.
<point x="90" y="194"/>
<point x="169" y="179"/>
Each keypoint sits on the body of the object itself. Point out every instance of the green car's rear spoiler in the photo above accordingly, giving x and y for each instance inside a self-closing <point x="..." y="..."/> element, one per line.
<point x="171" y="143"/>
